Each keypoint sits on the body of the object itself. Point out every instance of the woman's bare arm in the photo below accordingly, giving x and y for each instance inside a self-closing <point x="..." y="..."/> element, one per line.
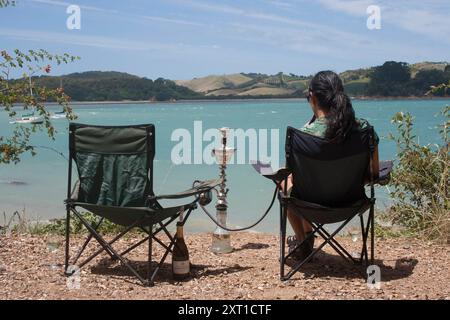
<point x="375" y="166"/>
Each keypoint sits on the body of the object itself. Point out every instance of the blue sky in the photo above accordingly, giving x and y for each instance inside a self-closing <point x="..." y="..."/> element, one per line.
<point x="182" y="39"/>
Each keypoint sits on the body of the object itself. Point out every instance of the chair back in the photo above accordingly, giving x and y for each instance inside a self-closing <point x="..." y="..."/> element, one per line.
<point x="328" y="173"/>
<point x="114" y="163"/>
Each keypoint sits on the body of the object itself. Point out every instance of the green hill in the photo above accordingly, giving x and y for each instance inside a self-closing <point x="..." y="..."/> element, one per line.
<point x="390" y="79"/>
<point x="421" y="76"/>
<point x="116" y="86"/>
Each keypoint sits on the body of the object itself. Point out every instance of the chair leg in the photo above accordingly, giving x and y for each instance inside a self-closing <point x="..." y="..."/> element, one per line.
<point x="86" y="242"/>
<point x="364" y="255"/>
<point x="146" y="239"/>
<point x="107" y="247"/>
<point x="168" y="250"/>
<point x="149" y="262"/>
<point x="336" y="246"/>
<point x="67" y="251"/>
<point x="297" y="267"/>
<point x="283" y="222"/>
<point x="372" y="234"/>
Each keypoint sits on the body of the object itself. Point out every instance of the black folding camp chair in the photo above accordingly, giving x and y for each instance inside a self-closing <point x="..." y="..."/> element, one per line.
<point x="115" y="170"/>
<point x="328" y="187"/>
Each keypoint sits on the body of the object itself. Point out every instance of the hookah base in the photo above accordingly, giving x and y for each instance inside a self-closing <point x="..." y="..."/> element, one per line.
<point x="221" y="244"/>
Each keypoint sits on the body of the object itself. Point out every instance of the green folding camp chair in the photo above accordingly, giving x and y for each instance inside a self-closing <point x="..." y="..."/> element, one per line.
<point x="115" y="171"/>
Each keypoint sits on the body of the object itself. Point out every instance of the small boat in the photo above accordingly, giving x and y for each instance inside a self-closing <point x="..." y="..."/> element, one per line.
<point x="29" y="118"/>
<point x="58" y="115"/>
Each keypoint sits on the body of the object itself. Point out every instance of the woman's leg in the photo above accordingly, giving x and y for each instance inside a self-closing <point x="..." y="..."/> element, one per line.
<point x="299" y="225"/>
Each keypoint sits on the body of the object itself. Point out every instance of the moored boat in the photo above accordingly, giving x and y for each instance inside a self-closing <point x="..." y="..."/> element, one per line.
<point x="28" y="118"/>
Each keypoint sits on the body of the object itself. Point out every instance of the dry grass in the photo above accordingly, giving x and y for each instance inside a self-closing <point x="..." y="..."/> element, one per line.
<point x="211" y="83"/>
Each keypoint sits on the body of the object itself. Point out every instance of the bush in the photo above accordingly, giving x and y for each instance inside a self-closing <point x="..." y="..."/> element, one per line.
<point x="421" y="182"/>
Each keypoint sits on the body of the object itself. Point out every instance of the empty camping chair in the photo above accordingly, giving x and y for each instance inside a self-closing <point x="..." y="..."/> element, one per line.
<point x="115" y="171"/>
<point x="328" y="187"/>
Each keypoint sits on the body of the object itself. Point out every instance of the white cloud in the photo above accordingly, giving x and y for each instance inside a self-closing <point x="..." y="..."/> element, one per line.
<point x="280" y="4"/>
<point x="352" y="7"/>
<point x="421" y="17"/>
<point x="85" y="40"/>
<point x="129" y="17"/>
<point x="428" y="23"/>
<point x="66" y="4"/>
<point x="307" y="37"/>
<point x="174" y="21"/>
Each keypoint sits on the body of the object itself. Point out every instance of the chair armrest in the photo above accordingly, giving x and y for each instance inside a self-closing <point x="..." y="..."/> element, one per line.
<point x="202" y="187"/>
<point x="384" y="175"/>
<point x="266" y="171"/>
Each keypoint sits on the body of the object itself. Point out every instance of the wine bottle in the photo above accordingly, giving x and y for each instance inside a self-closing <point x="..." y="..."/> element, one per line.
<point x="180" y="256"/>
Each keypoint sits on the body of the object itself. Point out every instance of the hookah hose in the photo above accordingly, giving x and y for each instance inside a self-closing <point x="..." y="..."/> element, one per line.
<point x="246" y="228"/>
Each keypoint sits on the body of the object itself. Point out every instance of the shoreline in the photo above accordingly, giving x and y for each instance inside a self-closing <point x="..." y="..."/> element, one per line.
<point x="362" y="98"/>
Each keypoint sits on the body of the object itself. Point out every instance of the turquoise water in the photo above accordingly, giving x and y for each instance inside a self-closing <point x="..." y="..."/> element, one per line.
<point x="44" y="176"/>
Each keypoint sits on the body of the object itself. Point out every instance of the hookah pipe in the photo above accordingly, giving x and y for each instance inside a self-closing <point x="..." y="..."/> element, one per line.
<point x="206" y="197"/>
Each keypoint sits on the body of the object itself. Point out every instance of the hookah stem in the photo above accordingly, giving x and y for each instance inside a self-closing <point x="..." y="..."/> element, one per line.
<point x="246" y="228"/>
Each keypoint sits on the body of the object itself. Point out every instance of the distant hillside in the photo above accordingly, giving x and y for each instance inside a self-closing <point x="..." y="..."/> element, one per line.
<point x="390" y="79"/>
<point x="116" y="86"/>
<point x="247" y="85"/>
<point x="423" y="75"/>
<point x="211" y="83"/>
<point x="356" y="82"/>
<point x="426" y="66"/>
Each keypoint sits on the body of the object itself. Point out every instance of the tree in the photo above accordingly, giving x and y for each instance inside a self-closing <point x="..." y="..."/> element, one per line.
<point x="24" y="94"/>
<point x="428" y="78"/>
<point x="447" y="68"/>
<point x="390" y="79"/>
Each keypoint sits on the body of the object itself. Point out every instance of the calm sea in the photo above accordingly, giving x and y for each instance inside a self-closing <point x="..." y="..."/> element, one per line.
<point x="42" y="179"/>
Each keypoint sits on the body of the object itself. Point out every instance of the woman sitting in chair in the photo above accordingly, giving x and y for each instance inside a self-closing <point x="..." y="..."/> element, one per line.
<point x="333" y="118"/>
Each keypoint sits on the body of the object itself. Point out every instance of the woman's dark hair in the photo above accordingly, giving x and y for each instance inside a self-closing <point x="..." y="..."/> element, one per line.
<point x="328" y="89"/>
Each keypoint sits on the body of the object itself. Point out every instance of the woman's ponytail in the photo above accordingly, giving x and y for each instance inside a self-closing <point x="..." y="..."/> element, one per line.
<point x="328" y="89"/>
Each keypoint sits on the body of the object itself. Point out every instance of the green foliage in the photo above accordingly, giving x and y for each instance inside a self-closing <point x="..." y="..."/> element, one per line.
<point x="428" y="78"/>
<point x="442" y="88"/>
<point x="116" y="86"/>
<point x="25" y="94"/>
<point x="390" y="79"/>
<point x="394" y="79"/>
<point x="388" y="232"/>
<point x="58" y="226"/>
<point x="421" y="181"/>
<point x="356" y="88"/>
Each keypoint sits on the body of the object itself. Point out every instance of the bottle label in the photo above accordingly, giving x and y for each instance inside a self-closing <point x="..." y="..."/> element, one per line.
<point x="181" y="267"/>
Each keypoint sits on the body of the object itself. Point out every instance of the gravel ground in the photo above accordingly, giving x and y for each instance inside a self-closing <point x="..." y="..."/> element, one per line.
<point x="409" y="270"/>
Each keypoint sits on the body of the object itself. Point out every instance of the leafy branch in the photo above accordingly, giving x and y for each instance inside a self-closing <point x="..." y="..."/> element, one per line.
<point x="24" y="94"/>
